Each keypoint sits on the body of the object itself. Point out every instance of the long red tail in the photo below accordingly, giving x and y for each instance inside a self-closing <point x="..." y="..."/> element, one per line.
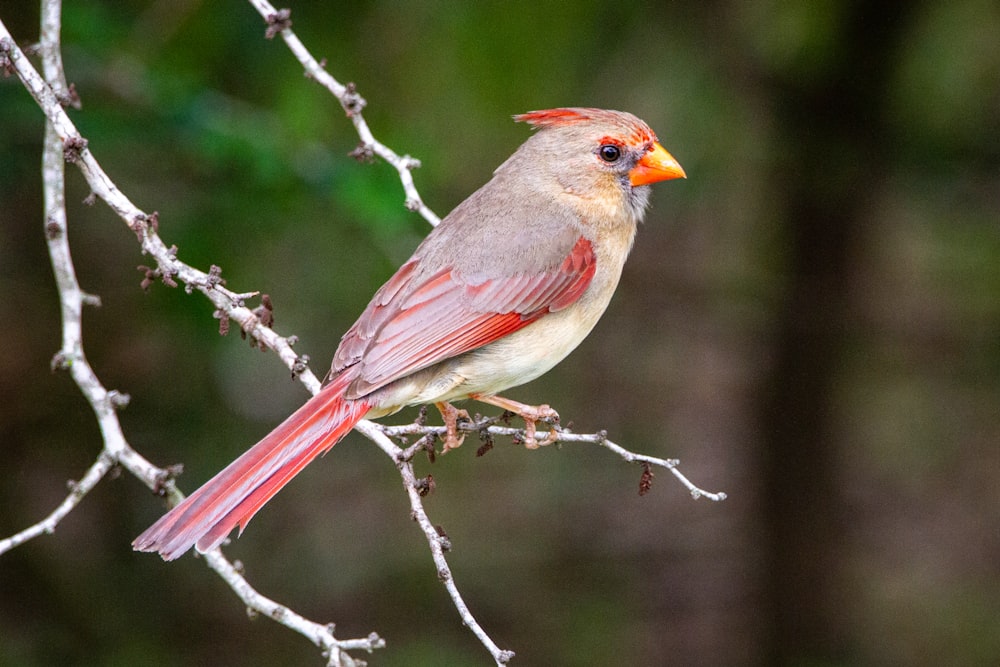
<point x="233" y="496"/>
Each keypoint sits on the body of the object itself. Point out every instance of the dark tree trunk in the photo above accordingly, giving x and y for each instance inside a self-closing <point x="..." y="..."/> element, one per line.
<point x="836" y="157"/>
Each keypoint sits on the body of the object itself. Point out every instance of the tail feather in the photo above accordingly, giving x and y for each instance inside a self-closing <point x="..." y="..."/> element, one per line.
<point x="234" y="496"/>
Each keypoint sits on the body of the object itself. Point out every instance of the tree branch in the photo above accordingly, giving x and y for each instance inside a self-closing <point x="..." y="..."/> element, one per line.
<point x="64" y="143"/>
<point x="487" y="425"/>
<point x="71" y="357"/>
<point x="280" y="22"/>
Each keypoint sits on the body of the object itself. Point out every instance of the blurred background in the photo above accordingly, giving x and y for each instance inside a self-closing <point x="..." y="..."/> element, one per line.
<point x="810" y="322"/>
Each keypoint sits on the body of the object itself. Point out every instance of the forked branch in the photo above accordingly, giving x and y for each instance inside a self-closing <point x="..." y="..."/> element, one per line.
<point x="63" y="143"/>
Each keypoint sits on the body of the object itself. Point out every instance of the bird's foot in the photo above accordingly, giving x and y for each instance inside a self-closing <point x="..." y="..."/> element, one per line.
<point x="531" y="414"/>
<point x="452" y="438"/>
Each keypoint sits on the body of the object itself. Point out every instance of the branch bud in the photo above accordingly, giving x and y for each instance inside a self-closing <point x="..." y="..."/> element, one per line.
<point x="278" y="21"/>
<point x="73" y="148"/>
<point x="6" y="63"/>
<point x="118" y="400"/>
<point x="352" y="102"/>
<point x="61" y="361"/>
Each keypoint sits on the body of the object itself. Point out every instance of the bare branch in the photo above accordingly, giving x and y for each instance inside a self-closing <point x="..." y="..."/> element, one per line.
<point x="321" y="635"/>
<point x="71" y="357"/>
<point x="279" y="22"/>
<point x="557" y="435"/>
<point x="64" y="143"/>
<point x="168" y="267"/>
<point x="78" y="490"/>
<point x="437" y="542"/>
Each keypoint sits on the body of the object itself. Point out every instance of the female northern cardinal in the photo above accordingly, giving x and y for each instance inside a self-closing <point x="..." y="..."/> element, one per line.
<point x="503" y="289"/>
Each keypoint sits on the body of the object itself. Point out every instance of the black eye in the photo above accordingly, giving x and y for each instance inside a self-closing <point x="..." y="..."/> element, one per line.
<point x="609" y="153"/>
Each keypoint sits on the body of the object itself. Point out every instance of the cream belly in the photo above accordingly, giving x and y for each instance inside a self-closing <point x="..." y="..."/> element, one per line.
<point x="511" y="361"/>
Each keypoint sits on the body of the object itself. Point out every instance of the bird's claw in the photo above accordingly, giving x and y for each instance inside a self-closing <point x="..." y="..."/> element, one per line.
<point x="532" y="414"/>
<point x="450" y="414"/>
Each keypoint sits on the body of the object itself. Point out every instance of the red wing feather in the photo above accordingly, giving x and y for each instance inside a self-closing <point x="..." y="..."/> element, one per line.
<point x="447" y="316"/>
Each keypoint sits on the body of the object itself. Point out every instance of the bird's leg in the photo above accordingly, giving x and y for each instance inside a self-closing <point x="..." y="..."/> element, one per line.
<point x="450" y="414"/>
<point x="531" y="414"/>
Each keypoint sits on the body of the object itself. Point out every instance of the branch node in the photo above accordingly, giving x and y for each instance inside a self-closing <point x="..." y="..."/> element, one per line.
<point x="425" y="485"/>
<point x="352" y="102"/>
<point x="90" y="199"/>
<point x="443" y="539"/>
<point x="53" y="230"/>
<point x="240" y="300"/>
<point x="142" y="223"/>
<point x="73" y="148"/>
<point x="363" y="153"/>
<point x="214" y="278"/>
<point x="300" y="366"/>
<point x="410" y="162"/>
<point x="6" y="60"/>
<point x="150" y="275"/>
<point x="165" y="477"/>
<point x="264" y="315"/>
<point x="278" y="21"/>
<point x="413" y="205"/>
<point x="167" y="277"/>
<point x="61" y="361"/>
<point x="70" y="98"/>
<point x="88" y="299"/>
<point x="321" y="63"/>
<point x="118" y="400"/>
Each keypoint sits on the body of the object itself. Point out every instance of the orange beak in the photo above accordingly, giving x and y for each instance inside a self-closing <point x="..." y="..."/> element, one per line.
<point x="656" y="165"/>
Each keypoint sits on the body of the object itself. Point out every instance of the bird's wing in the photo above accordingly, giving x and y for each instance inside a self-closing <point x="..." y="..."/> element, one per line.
<point x="408" y="327"/>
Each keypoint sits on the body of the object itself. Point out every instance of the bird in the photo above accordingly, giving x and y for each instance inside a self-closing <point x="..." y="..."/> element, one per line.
<point x="503" y="289"/>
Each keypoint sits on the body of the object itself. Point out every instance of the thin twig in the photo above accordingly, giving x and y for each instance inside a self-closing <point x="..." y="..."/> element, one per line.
<point x="547" y="438"/>
<point x="280" y="22"/>
<point x="438" y="543"/>
<point x="320" y="635"/>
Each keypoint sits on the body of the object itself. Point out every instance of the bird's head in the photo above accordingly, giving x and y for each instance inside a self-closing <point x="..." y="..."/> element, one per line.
<point x="607" y="158"/>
